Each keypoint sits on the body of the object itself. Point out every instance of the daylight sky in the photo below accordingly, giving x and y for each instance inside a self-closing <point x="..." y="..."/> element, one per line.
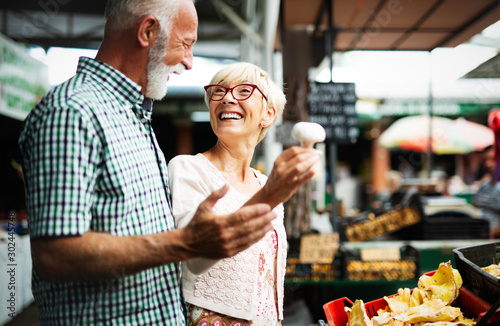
<point x="376" y="73"/>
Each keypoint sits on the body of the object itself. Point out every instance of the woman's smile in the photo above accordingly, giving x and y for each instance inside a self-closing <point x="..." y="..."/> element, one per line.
<point x="230" y="116"/>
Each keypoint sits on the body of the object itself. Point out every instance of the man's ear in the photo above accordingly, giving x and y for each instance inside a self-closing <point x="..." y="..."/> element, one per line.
<point x="148" y="30"/>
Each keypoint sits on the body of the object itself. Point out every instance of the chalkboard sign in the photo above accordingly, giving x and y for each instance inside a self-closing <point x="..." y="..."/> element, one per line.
<point x="333" y="105"/>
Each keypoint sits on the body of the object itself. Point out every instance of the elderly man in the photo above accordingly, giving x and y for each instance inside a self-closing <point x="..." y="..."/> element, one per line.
<point x="104" y="246"/>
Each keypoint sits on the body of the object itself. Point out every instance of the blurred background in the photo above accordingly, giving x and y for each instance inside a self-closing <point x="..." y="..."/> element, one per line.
<point x="404" y="89"/>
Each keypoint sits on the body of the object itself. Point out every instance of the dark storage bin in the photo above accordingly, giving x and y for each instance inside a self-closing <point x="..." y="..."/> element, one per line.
<point x="447" y="226"/>
<point x="298" y="272"/>
<point x="370" y="225"/>
<point x="469" y="261"/>
<point x="457" y="227"/>
<point x="404" y="211"/>
<point x="407" y="268"/>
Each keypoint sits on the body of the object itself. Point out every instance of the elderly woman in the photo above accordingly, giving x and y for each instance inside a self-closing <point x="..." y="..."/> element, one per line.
<point x="246" y="289"/>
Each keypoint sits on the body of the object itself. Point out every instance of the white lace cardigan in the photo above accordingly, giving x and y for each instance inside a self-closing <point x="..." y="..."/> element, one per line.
<point x="227" y="286"/>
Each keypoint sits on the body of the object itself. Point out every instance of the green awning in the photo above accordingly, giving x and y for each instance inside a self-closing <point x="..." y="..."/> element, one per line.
<point x="440" y="108"/>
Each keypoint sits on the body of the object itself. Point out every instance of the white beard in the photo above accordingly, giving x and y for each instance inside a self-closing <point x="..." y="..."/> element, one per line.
<point x="157" y="71"/>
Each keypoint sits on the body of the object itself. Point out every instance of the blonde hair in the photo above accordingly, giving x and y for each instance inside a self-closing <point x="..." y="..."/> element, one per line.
<point x="244" y="72"/>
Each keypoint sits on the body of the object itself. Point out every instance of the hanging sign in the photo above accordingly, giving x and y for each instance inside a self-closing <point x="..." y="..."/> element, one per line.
<point x="333" y="105"/>
<point x="318" y="248"/>
<point x="380" y="254"/>
<point x="23" y="79"/>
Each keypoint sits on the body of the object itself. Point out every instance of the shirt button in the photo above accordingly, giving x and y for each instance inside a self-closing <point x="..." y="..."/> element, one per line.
<point x="143" y="120"/>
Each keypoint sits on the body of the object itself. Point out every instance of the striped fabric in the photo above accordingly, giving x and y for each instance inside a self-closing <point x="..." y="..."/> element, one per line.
<point x="486" y="198"/>
<point x="91" y="162"/>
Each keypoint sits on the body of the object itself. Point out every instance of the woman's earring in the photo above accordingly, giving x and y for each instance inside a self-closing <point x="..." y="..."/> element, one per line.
<point x="263" y="124"/>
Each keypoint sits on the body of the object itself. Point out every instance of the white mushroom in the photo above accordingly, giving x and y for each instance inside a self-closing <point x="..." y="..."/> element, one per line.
<point x="308" y="133"/>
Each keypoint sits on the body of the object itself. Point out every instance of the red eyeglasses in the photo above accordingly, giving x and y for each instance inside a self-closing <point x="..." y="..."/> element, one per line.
<point x="240" y="92"/>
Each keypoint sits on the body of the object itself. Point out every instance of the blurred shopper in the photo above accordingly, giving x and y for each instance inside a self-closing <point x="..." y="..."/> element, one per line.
<point x="246" y="289"/>
<point x="487" y="198"/>
<point x="392" y="190"/>
<point x="104" y="247"/>
<point x="487" y="166"/>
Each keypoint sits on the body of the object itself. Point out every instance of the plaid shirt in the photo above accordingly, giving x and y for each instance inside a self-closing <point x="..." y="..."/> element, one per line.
<point x="486" y="199"/>
<point x="91" y="162"/>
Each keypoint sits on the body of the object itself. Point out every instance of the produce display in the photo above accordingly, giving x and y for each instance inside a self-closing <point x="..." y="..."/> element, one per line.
<point x="381" y="270"/>
<point x="427" y="304"/>
<point x="493" y="269"/>
<point x="374" y="226"/>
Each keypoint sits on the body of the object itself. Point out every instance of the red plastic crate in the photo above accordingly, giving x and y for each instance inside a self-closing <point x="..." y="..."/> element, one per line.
<point x="471" y="305"/>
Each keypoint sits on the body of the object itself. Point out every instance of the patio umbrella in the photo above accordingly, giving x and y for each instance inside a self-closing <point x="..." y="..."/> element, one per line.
<point x="478" y="135"/>
<point x="448" y="136"/>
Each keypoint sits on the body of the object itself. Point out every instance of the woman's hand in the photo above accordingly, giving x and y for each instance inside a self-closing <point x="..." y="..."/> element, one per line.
<point x="291" y="170"/>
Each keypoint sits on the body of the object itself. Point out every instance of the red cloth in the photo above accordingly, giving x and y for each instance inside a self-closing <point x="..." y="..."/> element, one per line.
<point x="494" y="124"/>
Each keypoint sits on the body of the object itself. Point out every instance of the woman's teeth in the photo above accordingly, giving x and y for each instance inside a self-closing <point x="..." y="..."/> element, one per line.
<point x="231" y="115"/>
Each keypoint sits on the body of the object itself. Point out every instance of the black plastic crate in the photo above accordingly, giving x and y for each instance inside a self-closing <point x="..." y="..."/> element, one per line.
<point x="298" y="272"/>
<point x="369" y="225"/>
<point x="447" y="226"/>
<point x="402" y="212"/>
<point x="407" y="268"/>
<point x="458" y="227"/>
<point x="469" y="261"/>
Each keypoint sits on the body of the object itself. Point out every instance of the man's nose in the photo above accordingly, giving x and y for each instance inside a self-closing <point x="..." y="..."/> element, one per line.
<point x="187" y="61"/>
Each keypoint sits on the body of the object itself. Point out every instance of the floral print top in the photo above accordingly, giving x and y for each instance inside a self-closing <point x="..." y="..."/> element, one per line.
<point x="267" y="312"/>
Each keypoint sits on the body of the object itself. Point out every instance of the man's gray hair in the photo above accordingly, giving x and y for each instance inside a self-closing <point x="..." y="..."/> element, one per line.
<point x="122" y="14"/>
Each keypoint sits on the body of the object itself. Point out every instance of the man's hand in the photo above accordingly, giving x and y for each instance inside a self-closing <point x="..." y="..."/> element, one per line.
<point x="291" y="170"/>
<point x="96" y="256"/>
<point x="210" y="236"/>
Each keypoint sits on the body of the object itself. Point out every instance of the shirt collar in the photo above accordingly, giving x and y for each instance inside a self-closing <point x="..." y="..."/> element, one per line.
<point x="147" y="108"/>
<point x="118" y="83"/>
